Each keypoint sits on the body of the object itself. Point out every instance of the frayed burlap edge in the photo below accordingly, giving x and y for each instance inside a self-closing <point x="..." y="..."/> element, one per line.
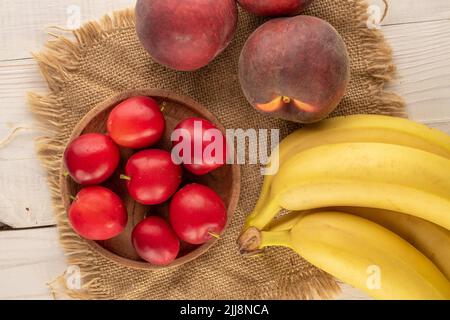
<point x="61" y="58"/>
<point x="380" y="66"/>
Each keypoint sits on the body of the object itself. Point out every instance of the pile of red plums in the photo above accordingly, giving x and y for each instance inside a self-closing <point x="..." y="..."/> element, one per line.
<point x="152" y="177"/>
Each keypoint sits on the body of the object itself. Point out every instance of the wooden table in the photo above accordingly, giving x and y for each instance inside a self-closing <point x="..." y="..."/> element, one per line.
<point x="30" y="255"/>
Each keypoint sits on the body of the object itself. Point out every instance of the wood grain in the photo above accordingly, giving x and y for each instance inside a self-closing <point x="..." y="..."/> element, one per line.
<point x="417" y="31"/>
<point x="23" y="23"/>
<point x="29" y="259"/>
<point x="422" y="55"/>
<point x="413" y="11"/>
<point x="24" y="197"/>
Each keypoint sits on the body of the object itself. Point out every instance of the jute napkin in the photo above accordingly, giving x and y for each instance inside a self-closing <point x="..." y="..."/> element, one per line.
<point x="106" y="58"/>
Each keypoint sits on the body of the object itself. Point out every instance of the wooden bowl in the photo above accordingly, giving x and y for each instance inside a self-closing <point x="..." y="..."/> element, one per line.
<point x="225" y="180"/>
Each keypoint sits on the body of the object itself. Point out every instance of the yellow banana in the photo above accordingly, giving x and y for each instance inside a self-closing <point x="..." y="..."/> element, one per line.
<point x="356" y="128"/>
<point x="430" y="239"/>
<point x="288" y="221"/>
<point x="373" y="175"/>
<point x="362" y="254"/>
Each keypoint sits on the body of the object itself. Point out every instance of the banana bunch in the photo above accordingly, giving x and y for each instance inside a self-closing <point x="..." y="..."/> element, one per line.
<point x="350" y="129"/>
<point x="363" y="254"/>
<point x="430" y="239"/>
<point x="392" y="165"/>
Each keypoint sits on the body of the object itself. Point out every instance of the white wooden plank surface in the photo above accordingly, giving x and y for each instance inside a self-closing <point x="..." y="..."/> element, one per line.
<point x="350" y="293"/>
<point x="23" y="23"/>
<point x="413" y="11"/>
<point x="422" y="55"/>
<point x="417" y="30"/>
<point x="29" y="259"/>
<point x="24" y="197"/>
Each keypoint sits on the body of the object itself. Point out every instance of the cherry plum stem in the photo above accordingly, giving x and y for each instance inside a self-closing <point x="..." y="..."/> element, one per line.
<point x="125" y="177"/>
<point x="214" y="235"/>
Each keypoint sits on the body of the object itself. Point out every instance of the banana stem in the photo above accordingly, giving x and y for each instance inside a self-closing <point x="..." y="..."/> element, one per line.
<point x="252" y="240"/>
<point x="264" y="194"/>
<point x="262" y="218"/>
<point x="249" y="241"/>
<point x="262" y="198"/>
<point x="275" y="239"/>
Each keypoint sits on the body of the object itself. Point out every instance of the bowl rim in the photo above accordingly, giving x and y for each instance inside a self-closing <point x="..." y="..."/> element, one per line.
<point x="166" y="95"/>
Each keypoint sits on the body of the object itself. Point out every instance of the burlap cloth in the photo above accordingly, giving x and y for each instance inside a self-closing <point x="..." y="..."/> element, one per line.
<point x="105" y="58"/>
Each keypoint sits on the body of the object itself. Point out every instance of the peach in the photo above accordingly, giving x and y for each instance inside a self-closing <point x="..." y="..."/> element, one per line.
<point x="273" y="8"/>
<point x="295" y="69"/>
<point x="185" y="35"/>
